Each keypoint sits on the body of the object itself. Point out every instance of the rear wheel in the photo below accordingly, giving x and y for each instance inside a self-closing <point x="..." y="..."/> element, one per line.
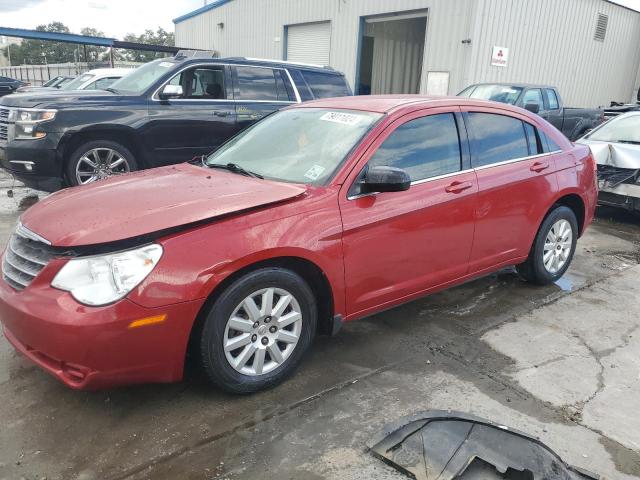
<point x="553" y="248"/>
<point x="258" y="330"/>
<point x="97" y="160"/>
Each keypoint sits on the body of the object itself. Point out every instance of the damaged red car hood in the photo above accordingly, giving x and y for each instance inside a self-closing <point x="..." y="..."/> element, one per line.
<point x="149" y="201"/>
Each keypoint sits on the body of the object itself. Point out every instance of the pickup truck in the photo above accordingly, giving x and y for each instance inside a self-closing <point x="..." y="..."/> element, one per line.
<point x="164" y="112"/>
<point x="543" y="100"/>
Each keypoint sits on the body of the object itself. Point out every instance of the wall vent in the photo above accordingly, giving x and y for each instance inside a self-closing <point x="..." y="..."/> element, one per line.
<point x="601" y="27"/>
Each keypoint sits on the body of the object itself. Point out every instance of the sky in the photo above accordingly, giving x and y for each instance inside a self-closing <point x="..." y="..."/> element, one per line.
<point x="115" y="18"/>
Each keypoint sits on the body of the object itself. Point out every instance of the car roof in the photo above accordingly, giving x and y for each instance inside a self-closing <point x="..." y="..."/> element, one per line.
<point x="109" y="71"/>
<point x="517" y="85"/>
<point x="391" y="103"/>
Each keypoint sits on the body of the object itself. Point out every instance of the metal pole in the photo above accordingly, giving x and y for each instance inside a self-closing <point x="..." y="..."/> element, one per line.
<point x="9" y="53"/>
<point x="111" y="56"/>
<point x="85" y="53"/>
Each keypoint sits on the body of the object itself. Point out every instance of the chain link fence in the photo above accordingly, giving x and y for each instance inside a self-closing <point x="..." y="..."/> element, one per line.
<point x="39" y="74"/>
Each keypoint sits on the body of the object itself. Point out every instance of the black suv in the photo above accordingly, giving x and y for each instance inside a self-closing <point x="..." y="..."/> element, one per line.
<point x="166" y="111"/>
<point x="10" y="85"/>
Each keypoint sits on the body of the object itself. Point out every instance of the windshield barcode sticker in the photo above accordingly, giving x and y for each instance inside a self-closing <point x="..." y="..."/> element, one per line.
<point x="314" y="172"/>
<point x="340" y="117"/>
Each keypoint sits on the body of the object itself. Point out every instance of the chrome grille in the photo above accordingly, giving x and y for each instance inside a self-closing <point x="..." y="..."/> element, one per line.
<point x="4" y="124"/>
<point x="24" y="258"/>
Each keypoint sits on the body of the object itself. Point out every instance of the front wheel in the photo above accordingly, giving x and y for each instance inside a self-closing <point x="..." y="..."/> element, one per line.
<point x="553" y="248"/>
<point x="258" y="330"/>
<point x="98" y="160"/>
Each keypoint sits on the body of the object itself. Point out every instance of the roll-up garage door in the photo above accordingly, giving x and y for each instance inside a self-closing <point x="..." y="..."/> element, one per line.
<point x="309" y="43"/>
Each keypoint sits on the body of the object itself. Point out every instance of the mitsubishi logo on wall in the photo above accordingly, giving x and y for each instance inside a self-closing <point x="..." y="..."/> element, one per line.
<point x="500" y="56"/>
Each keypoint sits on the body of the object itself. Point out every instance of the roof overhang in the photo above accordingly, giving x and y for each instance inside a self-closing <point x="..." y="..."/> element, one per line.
<point x="195" y="13"/>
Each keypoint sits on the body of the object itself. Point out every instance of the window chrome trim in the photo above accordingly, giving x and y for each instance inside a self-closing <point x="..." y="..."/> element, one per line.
<point x="439" y="177"/>
<point x="514" y="160"/>
<point x="155" y="98"/>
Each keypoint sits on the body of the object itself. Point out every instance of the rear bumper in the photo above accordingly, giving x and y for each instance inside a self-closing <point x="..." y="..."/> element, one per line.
<point x="91" y="348"/>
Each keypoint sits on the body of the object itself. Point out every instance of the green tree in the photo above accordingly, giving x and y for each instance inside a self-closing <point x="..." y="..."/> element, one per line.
<point x="94" y="53"/>
<point x="39" y="52"/>
<point x="159" y="37"/>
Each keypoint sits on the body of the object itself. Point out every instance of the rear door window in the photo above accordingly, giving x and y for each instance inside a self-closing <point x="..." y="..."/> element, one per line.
<point x="497" y="138"/>
<point x="257" y="83"/>
<point x="325" y="85"/>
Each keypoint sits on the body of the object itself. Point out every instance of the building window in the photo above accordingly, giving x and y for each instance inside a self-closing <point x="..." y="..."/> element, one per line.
<point x="601" y="27"/>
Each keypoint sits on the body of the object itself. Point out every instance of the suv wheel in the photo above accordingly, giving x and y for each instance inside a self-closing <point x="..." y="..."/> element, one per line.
<point x="97" y="160"/>
<point x="553" y="248"/>
<point x="257" y="331"/>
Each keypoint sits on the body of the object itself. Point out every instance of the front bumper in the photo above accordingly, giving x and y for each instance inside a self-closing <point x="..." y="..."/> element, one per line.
<point x="625" y="195"/>
<point x="93" y="347"/>
<point x="36" y="163"/>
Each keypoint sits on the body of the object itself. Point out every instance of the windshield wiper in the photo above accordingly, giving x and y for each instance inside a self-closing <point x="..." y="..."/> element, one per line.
<point x="112" y="90"/>
<point x="235" y="168"/>
<point x="632" y="142"/>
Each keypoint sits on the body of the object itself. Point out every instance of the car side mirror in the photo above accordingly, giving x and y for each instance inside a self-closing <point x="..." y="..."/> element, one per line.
<point x="532" y="107"/>
<point x="385" y="179"/>
<point x="170" y="91"/>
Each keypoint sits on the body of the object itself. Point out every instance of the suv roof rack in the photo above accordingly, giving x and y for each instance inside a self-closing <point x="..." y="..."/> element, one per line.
<point x="285" y="62"/>
<point x="196" y="54"/>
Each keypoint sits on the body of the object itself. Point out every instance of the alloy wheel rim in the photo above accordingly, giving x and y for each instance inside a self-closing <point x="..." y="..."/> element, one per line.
<point x="557" y="246"/>
<point x="262" y="332"/>
<point x="100" y="163"/>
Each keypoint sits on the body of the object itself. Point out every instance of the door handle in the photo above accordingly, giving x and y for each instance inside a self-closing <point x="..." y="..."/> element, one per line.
<point x="221" y="113"/>
<point x="457" y="187"/>
<point x="539" y="166"/>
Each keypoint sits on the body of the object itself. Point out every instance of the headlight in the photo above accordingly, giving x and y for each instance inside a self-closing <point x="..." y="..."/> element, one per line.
<point x="103" y="279"/>
<point x="26" y="120"/>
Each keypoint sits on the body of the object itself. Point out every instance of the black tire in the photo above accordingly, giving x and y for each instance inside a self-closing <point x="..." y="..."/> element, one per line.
<point x="86" y="147"/>
<point x="534" y="270"/>
<point x="212" y="354"/>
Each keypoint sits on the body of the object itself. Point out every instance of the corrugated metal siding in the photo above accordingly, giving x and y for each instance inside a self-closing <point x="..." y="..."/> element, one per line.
<point x="255" y="28"/>
<point x="550" y="41"/>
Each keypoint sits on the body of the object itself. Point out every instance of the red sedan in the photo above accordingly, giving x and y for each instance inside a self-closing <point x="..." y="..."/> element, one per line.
<point x="321" y="213"/>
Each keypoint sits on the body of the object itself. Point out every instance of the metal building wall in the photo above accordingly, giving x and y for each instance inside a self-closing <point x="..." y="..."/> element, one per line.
<point x="255" y="28"/>
<point x="550" y="41"/>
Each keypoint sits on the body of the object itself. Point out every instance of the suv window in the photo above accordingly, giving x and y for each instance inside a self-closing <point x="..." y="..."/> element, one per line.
<point x="324" y="85"/>
<point x="425" y="147"/>
<point x="257" y="83"/>
<point x="533" y="96"/>
<point x="201" y="83"/>
<point x="552" y="99"/>
<point x="497" y="138"/>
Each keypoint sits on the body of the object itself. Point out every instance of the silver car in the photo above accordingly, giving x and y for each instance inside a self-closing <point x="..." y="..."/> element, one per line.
<point x="616" y="148"/>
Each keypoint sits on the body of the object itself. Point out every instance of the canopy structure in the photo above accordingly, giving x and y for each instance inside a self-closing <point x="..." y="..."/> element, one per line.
<point x="85" y="40"/>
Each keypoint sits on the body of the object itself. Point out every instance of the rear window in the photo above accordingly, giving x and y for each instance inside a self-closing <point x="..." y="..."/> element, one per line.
<point x="325" y="85"/>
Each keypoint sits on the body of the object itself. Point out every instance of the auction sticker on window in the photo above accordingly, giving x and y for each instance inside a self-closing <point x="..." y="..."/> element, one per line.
<point x="341" y="117"/>
<point x="166" y="64"/>
<point x="314" y="172"/>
